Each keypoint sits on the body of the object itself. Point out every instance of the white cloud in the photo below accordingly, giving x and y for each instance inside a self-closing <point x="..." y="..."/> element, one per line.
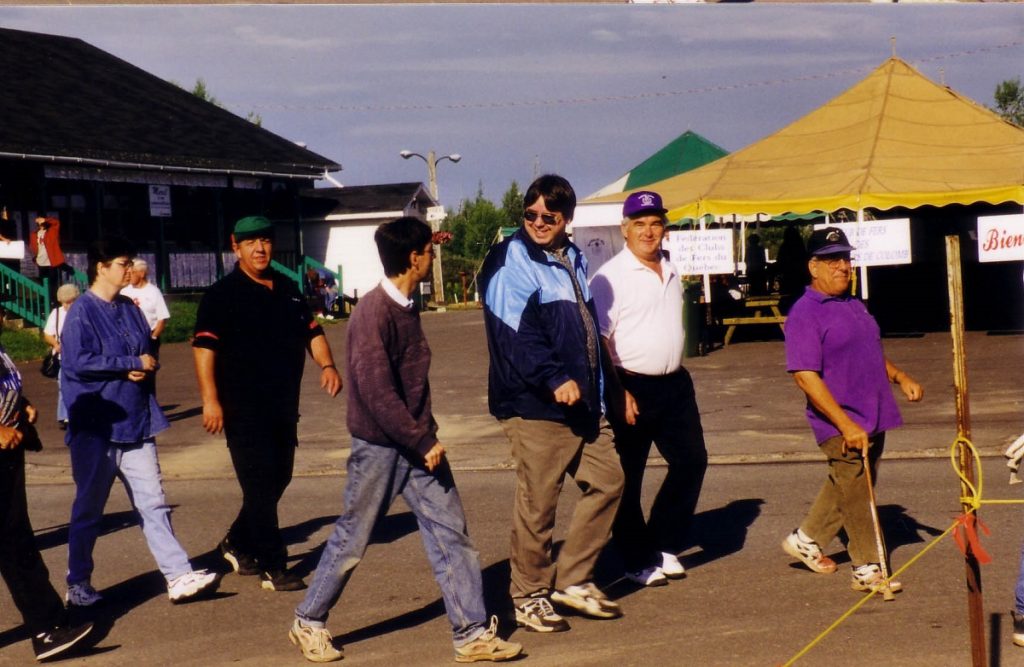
<point x="605" y="35"/>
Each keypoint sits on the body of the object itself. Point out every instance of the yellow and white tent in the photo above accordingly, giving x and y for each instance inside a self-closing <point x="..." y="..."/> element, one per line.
<point x="893" y="139"/>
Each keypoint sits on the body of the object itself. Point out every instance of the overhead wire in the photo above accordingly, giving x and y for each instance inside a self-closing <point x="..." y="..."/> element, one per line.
<point x="571" y="101"/>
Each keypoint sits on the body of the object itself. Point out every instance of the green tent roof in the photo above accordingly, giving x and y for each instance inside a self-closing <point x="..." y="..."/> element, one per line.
<point x="687" y="151"/>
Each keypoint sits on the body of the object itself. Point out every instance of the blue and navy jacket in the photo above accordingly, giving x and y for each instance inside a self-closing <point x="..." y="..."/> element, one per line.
<point x="535" y="335"/>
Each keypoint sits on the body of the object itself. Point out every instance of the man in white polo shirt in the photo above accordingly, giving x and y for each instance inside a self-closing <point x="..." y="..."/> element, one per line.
<point x="150" y="299"/>
<point x="639" y="303"/>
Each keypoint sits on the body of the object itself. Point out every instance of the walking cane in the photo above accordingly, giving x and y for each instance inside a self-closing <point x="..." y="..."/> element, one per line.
<point x="886" y="591"/>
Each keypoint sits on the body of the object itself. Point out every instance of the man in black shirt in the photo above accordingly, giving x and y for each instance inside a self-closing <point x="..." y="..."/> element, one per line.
<point x="252" y="332"/>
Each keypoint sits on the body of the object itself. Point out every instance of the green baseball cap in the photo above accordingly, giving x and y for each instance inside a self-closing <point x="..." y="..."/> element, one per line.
<point x="251" y="227"/>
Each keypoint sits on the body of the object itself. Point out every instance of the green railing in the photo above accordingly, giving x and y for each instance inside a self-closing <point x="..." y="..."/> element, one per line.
<point x="29" y="299"/>
<point x="300" y="271"/>
<point x="308" y="262"/>
<point x="294" y="275"/>
<point x="25" y="297"/>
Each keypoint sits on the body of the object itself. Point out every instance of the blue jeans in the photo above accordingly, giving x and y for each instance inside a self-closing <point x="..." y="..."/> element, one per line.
<point x="1018" y="592"/>
<point x="94" y="464"/>
<point x="376" y="476"/>
<point x="62" y="411"/>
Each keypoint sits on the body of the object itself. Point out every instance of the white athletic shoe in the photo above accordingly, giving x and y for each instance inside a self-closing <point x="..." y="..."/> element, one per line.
<point x="191" y="584"/>
<point x="671" y="567"/>
<point x="587" y="600"/>
<point x="649" y="576"/>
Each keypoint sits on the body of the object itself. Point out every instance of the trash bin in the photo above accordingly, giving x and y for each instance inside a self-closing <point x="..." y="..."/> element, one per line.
<point x="692" y="318"/>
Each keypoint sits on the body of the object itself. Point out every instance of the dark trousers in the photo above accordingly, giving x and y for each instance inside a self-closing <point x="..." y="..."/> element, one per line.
<point x="56" y="276"/>
<point x="21" y="565"/>
<point x="263" y="458"/>
<point x="669" y="418"/>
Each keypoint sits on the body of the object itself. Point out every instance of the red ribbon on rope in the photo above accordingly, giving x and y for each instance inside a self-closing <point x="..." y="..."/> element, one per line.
<point x="965" y="533"/>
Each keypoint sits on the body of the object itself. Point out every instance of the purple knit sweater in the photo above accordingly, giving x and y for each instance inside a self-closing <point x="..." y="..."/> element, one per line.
<point x="388" y="364"/>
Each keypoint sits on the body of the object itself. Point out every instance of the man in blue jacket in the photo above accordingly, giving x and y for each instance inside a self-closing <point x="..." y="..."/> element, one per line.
<point x="545" y="387"/>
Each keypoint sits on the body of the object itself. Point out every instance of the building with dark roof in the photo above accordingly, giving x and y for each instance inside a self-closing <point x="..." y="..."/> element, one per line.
<point x="339" y="223"/>
<point x="86" y="137"/>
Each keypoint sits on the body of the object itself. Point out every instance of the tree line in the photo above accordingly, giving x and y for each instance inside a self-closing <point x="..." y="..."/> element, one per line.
<point x="475" y="227"/>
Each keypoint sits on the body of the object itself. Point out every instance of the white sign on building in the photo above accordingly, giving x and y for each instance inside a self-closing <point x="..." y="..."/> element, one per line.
<point x="696" y="252"/>
<point x="877" y="242"/>
<point x="1001" y="238"/>
<point x="160" y="201"/>
<point x="436" y="214"/>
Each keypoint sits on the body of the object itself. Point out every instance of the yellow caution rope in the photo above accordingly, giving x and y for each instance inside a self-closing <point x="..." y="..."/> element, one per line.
<point x="972" y="498"/>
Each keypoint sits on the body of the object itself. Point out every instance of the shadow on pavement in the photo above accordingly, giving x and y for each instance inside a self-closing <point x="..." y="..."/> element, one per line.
<point x="184" y="414"/>
<point x="389" y="528"/>
<point x="122" y="598"/>
<point x="496" y="600"/>
<point x="721" y="531"/>
<point x="901" y="529"/>
<point x="55" y="536"/>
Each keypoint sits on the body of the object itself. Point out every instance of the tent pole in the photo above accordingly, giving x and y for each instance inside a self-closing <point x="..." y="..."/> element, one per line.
<point x="707" y="276"/>
<point x="863" y="270"/>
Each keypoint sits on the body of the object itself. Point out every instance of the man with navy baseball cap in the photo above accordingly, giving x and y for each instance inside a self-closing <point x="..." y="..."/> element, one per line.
<point x="834" y="352"/>
<point x="639" y="301"/>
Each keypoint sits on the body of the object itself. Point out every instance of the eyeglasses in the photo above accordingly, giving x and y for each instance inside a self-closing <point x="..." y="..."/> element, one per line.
<point x="547" y="218"/>
<point x="833" y="262"/>
<point x="126" y="264"/>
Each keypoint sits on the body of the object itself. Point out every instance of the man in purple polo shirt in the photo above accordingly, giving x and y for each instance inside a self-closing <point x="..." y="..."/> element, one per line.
<point x="834" y="351"/>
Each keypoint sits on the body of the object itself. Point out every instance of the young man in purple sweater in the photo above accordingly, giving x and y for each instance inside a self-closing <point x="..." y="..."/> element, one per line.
<point x="395" y="451"/>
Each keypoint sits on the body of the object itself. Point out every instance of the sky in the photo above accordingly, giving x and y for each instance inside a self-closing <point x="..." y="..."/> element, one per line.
<point x="586" y="91"/>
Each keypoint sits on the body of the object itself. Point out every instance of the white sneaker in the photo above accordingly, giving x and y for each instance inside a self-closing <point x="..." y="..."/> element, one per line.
<point x="536" y="614"/>
<point x="316" y="644"/>
<point x="82" y="595"/>
<point x="671" y="567"/>
<point x="649" y="576"/>
<point x="808" y="553"/>
<point x="587" y="600"/>
<point x="869" y="578"/>
<point x="191" y="584"/>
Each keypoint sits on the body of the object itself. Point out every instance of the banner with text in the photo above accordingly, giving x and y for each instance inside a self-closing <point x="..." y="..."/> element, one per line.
<point x="695" y="252"/>
<point x="1001" y="238"/>
<point x="878" y="242"/>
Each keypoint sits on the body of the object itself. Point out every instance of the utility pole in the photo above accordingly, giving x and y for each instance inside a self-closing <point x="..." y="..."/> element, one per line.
<point x="435" y="225"/>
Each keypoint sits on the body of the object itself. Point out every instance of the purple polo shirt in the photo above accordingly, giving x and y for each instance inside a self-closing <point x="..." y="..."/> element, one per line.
<point x="837" y="338"/>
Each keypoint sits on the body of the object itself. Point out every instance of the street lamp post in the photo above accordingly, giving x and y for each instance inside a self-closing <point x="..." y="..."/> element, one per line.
<point x="435" y="224"/>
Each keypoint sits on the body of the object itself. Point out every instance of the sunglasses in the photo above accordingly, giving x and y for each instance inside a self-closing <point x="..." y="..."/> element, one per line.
<point x="546" y="218"/>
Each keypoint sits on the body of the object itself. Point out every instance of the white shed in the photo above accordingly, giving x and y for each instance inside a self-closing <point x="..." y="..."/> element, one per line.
<point x="340" y="233"/>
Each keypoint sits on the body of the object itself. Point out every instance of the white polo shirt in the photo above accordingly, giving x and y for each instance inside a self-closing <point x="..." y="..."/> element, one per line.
<point x="150" y="300"/>
<point x="640" y="314"/>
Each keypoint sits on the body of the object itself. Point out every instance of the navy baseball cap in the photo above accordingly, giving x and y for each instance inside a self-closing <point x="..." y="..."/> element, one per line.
<point x="828" y="241"/>
<point x="643" y="202"/>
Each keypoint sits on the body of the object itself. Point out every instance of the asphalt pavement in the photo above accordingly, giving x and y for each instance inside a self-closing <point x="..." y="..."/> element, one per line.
<point x="743" y="602"/>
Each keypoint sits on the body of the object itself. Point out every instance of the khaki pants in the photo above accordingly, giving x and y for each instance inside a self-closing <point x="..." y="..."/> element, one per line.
<point x="544" y="452"/>
<point x="842" y="501"/>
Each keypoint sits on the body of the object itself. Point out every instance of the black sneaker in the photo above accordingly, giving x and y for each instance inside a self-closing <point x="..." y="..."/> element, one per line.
<point x="58" y="639"/>
<point x="281" y="580"/>
<point x="1018" y="628"/>
<point x="240" y="563"/>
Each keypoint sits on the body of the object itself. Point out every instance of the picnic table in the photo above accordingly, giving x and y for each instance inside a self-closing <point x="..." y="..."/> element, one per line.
<point x="756" y="310"/>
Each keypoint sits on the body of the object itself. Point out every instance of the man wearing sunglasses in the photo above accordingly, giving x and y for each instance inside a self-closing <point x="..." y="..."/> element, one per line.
<point x="834" y="351"/>
<point x="545" y="387"/>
